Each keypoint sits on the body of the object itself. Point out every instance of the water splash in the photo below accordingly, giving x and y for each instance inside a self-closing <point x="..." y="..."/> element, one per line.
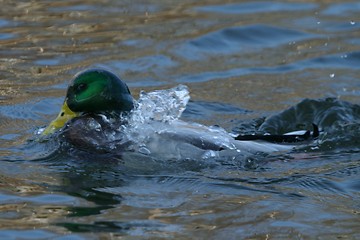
<point x="154" y="128"/>
<point x="161" y="105"/>
<point x="153" y="111"/>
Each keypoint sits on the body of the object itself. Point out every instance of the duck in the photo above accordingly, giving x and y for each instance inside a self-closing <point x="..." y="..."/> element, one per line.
<point x="96" y="109"/>
<point x="93" y="97"/>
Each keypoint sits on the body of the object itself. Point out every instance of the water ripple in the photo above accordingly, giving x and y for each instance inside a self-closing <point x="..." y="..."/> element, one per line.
<point x="335" y="61"/>
<point x="342" y="9"/>
<point x="257" y="7"/>
<point x="246" y="38"/>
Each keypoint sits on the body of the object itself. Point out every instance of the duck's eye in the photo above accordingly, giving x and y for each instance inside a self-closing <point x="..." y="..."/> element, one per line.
<point x="81" y="87"/>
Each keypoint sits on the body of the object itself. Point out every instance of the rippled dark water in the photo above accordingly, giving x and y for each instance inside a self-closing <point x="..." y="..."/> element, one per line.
<point x="244" y="62"/>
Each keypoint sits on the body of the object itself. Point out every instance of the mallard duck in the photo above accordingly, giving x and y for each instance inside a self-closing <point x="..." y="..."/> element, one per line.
<point x="97" y="95"/>
<point x="92" y="94"/>
<point x="93" y="91"/>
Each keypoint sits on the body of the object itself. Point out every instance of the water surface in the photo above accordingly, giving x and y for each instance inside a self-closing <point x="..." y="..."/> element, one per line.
<point x="243" y="61"/>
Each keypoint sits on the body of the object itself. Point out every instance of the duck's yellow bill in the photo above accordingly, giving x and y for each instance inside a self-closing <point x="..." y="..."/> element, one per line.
<point x="65" y="115"/>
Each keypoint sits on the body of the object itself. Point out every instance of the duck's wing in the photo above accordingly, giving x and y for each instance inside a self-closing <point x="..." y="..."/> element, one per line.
<point x="196" y="141"/>
<point x="287" y="138"/>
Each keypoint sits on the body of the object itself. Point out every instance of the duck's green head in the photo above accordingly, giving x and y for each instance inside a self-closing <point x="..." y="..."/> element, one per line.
<point x="93" y="91"/>
<point x="98" y="90"/>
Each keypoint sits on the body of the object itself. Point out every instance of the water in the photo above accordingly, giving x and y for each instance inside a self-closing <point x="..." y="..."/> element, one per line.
<point x="243" y="62"/>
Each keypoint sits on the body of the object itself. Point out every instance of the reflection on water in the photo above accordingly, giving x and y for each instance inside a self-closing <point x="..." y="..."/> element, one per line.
<point x="242" y="61"/>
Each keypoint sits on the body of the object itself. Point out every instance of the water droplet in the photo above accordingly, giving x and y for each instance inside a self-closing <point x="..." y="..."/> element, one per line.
<point x="39" y="131"/>
<point x="144" y="150"/>
<point x="332" y="75"/>
<point x="93" y="124"/>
